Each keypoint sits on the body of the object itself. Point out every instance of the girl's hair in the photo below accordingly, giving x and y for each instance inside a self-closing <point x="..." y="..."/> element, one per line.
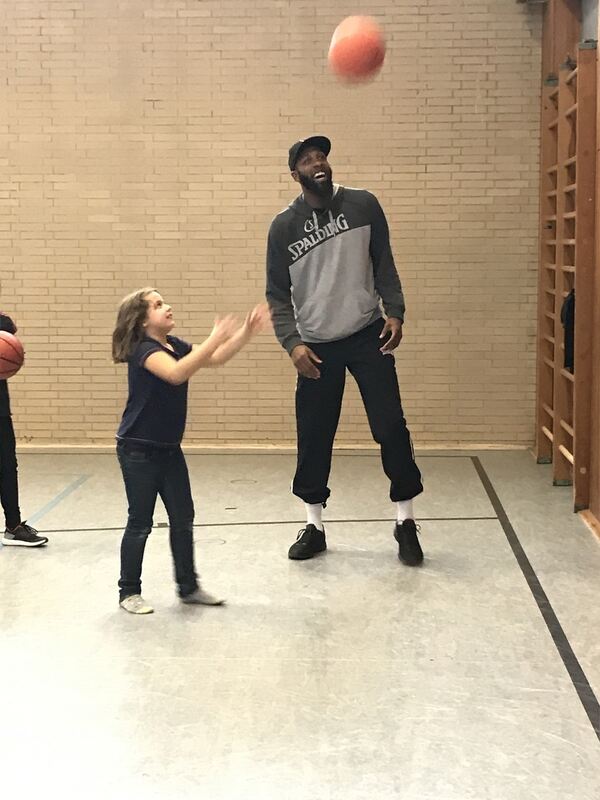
<point x="129" y="330"/>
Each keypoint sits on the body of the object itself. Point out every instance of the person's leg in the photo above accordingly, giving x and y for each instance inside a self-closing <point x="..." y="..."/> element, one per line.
<point x="9" y="484"/>
<point x="176" y="494"/>
<point x="18" y="532"/>
<point x="377" y="381"/>
<point x="141" y="475"/>
<point x="375" y="374"/>
<point x="318" y="406"/>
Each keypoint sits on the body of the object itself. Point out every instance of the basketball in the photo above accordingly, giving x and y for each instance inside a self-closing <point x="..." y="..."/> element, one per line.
<point x="11" y="355"/>
<point x="357" y="49"/>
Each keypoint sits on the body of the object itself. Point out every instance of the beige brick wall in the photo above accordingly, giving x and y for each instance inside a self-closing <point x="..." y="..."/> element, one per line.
<point x="145" y="141"/>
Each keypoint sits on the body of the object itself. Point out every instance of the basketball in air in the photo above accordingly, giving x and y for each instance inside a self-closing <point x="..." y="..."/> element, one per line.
<point x="357" y="49"/>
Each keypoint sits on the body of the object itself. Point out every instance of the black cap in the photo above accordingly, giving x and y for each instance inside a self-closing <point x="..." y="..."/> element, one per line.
<point x="322" y="142"/>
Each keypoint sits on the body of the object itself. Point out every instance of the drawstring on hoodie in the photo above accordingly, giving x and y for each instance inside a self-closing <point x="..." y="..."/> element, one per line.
<point x="331" y="220"/>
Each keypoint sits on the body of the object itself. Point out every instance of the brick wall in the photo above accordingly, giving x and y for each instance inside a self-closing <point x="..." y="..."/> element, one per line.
<point x="145" y="142"/>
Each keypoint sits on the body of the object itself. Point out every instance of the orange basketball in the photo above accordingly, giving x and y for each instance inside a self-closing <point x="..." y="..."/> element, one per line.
<point x="357" y="49"/>
<point x="11" y="355"/>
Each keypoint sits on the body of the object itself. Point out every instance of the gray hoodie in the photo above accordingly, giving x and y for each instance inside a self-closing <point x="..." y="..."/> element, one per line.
<point x="329" y="271"/>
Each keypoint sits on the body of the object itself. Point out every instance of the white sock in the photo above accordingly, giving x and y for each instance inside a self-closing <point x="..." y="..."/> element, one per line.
<point x="313" y="514"/>
<point x="404" y="510"/>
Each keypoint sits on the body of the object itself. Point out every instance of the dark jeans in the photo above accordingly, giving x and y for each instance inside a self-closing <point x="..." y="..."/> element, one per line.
<point x="318" y="406"/>
<point x="9" y="486"/>
<point x="148" y="472"/>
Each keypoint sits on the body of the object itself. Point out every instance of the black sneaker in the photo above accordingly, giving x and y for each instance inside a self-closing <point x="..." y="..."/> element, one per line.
<point x="409" y="549"/>
<point x="23" y="536"/>
<point x="310" y="541"/>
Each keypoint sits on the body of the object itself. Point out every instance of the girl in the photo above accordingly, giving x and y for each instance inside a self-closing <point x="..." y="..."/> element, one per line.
<point x="150" y="433"/>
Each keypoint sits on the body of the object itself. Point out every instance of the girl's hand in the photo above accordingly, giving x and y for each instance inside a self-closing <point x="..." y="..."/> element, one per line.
<point x="223" y="329"/>
<point x="257" y="320"/>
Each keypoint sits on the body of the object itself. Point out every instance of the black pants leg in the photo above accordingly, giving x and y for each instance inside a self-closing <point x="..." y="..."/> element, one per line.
<point x="176" y="494"/>
<point x="9" y="484"/>
<point x="141" y="471"/>
<point x="376" y="377"/>
<point x="318" y="406"/>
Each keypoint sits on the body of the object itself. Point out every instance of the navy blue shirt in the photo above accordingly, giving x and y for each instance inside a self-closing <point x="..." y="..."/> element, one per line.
<point x="156" y="410"/>
<point x="6" y="324"/>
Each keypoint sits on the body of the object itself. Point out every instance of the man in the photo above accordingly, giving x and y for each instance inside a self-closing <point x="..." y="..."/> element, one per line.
<point x="17" y="531"/>
<point x="329" y="270"/>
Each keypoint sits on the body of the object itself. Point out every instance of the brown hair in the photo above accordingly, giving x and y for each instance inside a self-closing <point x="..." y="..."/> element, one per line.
<point x="129" y="329"/>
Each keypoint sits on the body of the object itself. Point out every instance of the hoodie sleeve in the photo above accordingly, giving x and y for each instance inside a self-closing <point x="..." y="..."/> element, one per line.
<point x="6" y="324"/>
<point x="387" y="282"/>
<point x="279" y="294"/>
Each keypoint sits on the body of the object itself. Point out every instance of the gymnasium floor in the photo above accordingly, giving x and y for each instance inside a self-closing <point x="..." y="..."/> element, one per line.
<point x="349" y="676"/>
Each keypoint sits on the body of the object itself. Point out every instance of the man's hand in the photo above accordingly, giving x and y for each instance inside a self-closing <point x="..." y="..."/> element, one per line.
<point x="393" y="328"/>
<point x="305" y="361"/>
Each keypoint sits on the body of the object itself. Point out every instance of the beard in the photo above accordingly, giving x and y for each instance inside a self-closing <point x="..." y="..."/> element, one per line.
<point x="323" y="189"/>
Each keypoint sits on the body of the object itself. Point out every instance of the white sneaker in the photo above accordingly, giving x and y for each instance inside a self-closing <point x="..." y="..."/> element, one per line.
<point x="136" y="604"/>
<point x="202" y="597"/>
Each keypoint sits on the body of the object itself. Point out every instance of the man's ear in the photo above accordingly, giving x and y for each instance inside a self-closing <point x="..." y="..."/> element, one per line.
<point x="295" y="175"/>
